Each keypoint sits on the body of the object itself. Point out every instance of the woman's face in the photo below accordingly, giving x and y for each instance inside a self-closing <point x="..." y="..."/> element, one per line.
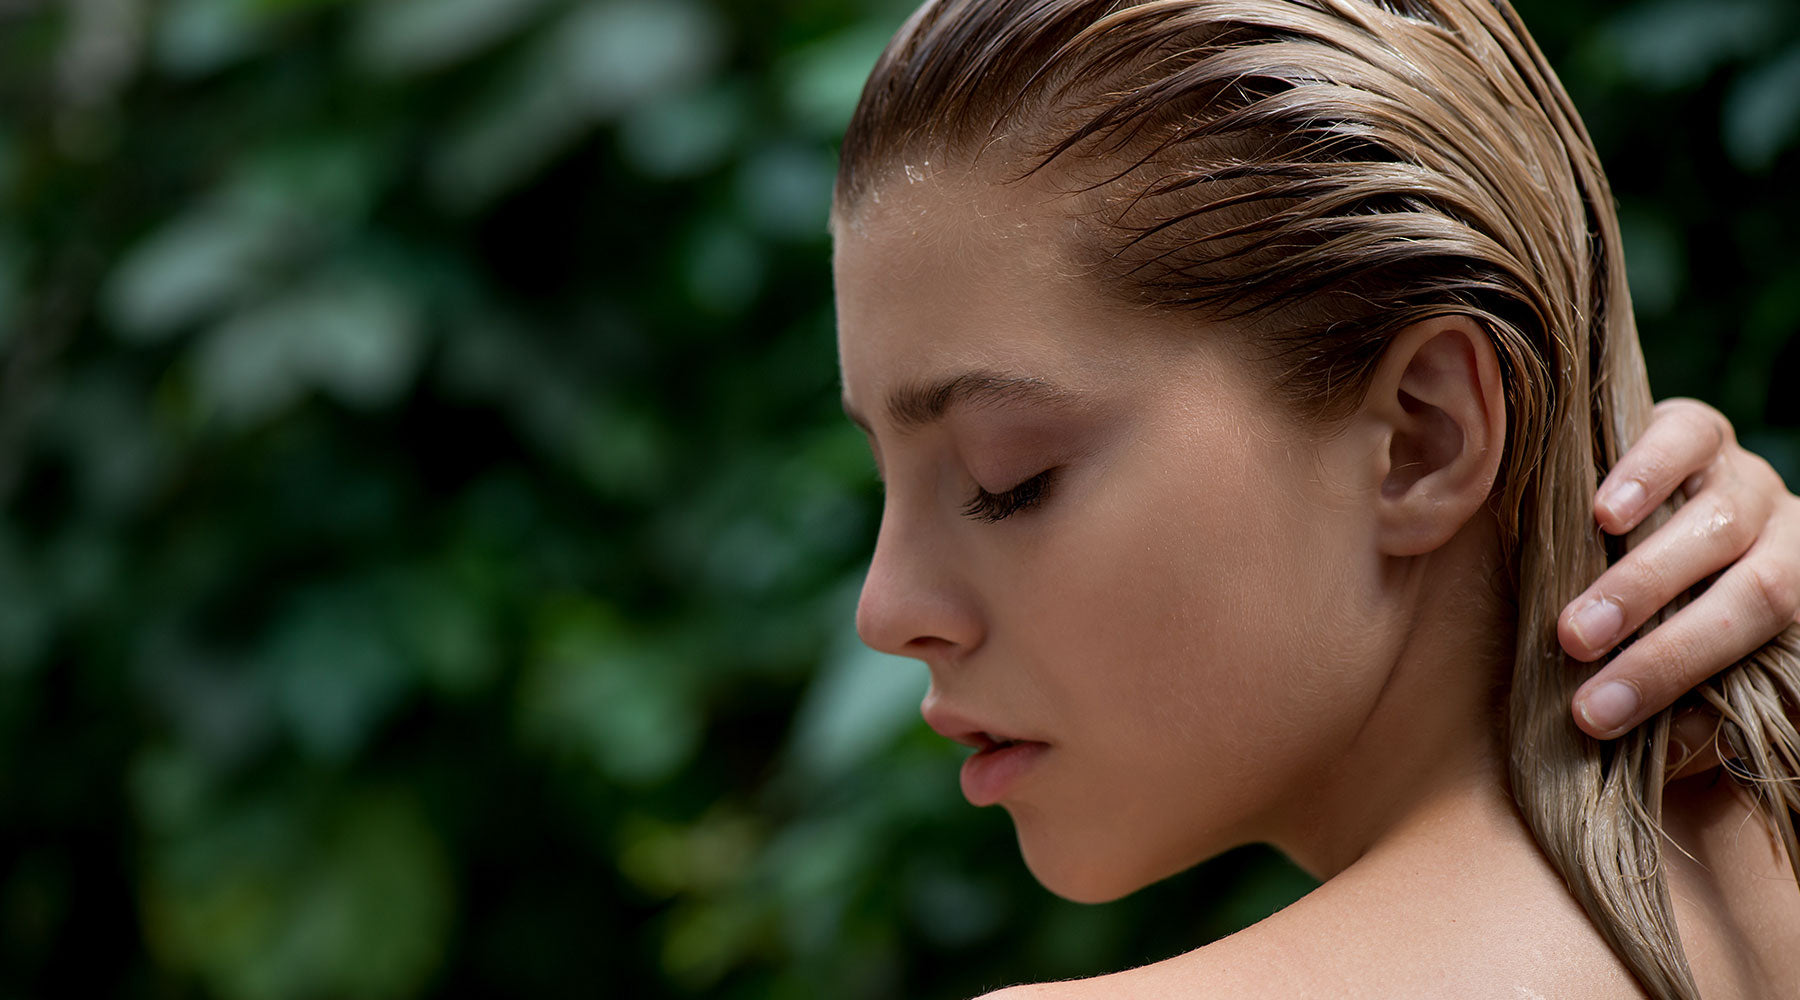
<point x="1103" y="538"/>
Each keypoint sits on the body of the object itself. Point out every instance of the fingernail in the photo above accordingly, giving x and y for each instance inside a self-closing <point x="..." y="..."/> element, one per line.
<point x="1623" y="499"/>
<point x="1610" y="706"/>
<point x="1598" y="623"/>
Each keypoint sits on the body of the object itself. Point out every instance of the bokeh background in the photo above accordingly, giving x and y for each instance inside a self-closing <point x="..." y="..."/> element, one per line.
<point x="428" y="537"/>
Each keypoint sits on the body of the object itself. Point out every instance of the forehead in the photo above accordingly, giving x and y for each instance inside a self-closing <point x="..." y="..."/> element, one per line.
<point x="915" y="182"/>
<point x="940" y="271"/>
<point x="922" y="218"/>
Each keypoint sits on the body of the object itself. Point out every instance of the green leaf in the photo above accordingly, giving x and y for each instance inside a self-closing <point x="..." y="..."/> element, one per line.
<point x="334" y="669"/>
<point x="1762" y="112"/>
<point x="13" y="262"/>
<point x="785" y="190"/>
<point x="723" y="268"/>
<point x="594" y="63"/>
<point x="394" y="38"/>
<point x="1673" y="44"/>
<point x="597" y="694"/>
<point x="27" y="614"/>
<point x="820" y="83"/>
<point x="858" y="704"/>
<point x="1654" y="259"/>
<point x="190" y="269"/>
<point x="684" y="135"/>
<point x="353" y="335"/>
<point x="705" y="856"/>
<point x="283" y="900"/>
<point x="620" y="53"/>
<point x="197" y="37"/>
<point x="705" y="940"/>
<point x="618" y="451"/>
<point x="446" y="628"/>
<point x="9" y="164"/>
<point x="97" y="420"/>
<point x="216" y="707"/>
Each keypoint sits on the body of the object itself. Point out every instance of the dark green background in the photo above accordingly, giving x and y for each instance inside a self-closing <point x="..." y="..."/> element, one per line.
<point x="430" y="536"/>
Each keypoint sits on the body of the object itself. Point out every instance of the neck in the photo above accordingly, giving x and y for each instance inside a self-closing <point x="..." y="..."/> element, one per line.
<point x="1417" y="805"/>
<point x="1432" y="745"/>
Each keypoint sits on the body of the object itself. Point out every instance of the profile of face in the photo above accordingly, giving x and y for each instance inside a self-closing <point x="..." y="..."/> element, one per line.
<point x="1107" y="541"/>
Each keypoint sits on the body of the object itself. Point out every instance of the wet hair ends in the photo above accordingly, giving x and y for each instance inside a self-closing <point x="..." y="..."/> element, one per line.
<point x="1326" y="173"/>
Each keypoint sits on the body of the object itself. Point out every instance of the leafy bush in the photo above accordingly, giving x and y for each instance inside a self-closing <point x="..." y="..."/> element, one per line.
<point x="430" y="536"/>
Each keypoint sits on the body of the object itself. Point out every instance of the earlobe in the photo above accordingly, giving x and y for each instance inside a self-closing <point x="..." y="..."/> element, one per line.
<point x="1438" y="402"/>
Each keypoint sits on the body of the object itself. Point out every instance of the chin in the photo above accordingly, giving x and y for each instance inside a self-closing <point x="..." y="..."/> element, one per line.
<point x="1085" y="890"/>
<point x="1090" y="874"/>
<point x="1097" y="864"/>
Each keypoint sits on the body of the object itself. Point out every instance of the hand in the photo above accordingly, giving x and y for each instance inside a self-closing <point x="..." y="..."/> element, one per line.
<point x="1739" y="514"/>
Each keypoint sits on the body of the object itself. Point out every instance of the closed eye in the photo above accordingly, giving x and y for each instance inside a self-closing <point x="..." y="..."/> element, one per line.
<point x="991" y="507"/>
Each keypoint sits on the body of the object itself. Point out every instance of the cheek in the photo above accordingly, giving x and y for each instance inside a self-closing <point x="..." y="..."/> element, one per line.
<point x="1220" y="617"/>
<point x="1207" y="588"/>
<point x="1198" y="648"/>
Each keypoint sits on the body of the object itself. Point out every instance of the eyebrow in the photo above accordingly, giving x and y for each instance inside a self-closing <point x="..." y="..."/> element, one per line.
<point x="914" y="406"/>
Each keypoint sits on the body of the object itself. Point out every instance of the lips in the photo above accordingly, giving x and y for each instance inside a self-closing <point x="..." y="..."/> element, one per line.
<point x="1001" y="759"/>
<point x="970" y="732"/>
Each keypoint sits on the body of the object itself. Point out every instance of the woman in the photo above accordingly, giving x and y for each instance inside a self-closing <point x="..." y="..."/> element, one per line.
<point x="1240" y="373"/>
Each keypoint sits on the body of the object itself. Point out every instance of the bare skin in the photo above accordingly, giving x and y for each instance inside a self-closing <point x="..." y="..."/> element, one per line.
<point x="1219" y="626"/>
<point x="1462" y="906"/>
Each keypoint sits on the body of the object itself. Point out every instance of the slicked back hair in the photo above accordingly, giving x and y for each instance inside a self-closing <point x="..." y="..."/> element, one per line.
<point x="1325" y="173"/>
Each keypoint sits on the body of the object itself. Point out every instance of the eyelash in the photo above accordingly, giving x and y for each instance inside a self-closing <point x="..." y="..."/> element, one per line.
<point x="991" y="507"/>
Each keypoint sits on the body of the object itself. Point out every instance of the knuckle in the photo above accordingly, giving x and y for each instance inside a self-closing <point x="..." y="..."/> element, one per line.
<point x="1767" y="489"/>
<point x="1671" y="665"/>
<point x="1720" y="428"/>
<point x="1706" y="420"/>
<point x="1702" y="420"/>
<point x="1773" y="590"/>
<point x="1723" y="521"/>
<point x="1635" y="582"/>
<point x="1691" y="658"/>
<point x="1675" y="405"/>
<point x="1766" y="475"/>
<point x="1749" y="467"/>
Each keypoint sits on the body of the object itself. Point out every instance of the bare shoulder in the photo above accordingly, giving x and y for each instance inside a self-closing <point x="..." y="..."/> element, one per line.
<point x="1032" y="991"/>
<point x="1383" y="938"/>
<point x="1116" y="985"/>
<point x="1071" y="989"/>
<point x="1225" y="968"/>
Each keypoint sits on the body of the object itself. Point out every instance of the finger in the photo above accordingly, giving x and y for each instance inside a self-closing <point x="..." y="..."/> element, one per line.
<point x="1751" y="602"/>
<point x="1683" y="440"/>
<point x="1704" y="536"/>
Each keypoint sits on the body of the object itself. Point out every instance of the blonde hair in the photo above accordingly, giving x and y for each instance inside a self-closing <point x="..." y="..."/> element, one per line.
<point x="1327" y="172"/>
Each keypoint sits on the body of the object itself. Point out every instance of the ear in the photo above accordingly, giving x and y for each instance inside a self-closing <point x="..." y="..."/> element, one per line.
<point x="1438" y="409"/>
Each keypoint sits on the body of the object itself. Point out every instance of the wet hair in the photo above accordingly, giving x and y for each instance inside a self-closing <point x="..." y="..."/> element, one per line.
<point x="1323" y="174"/>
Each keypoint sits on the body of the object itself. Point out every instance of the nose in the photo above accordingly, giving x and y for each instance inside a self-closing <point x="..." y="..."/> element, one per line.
<point x="916" y="600"/>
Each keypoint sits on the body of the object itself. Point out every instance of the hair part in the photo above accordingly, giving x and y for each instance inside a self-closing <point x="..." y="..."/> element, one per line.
<point x="1325" y="173"/>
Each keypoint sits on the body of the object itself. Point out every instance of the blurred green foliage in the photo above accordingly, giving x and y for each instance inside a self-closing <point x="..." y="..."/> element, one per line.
<point x="430" y="538"/>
